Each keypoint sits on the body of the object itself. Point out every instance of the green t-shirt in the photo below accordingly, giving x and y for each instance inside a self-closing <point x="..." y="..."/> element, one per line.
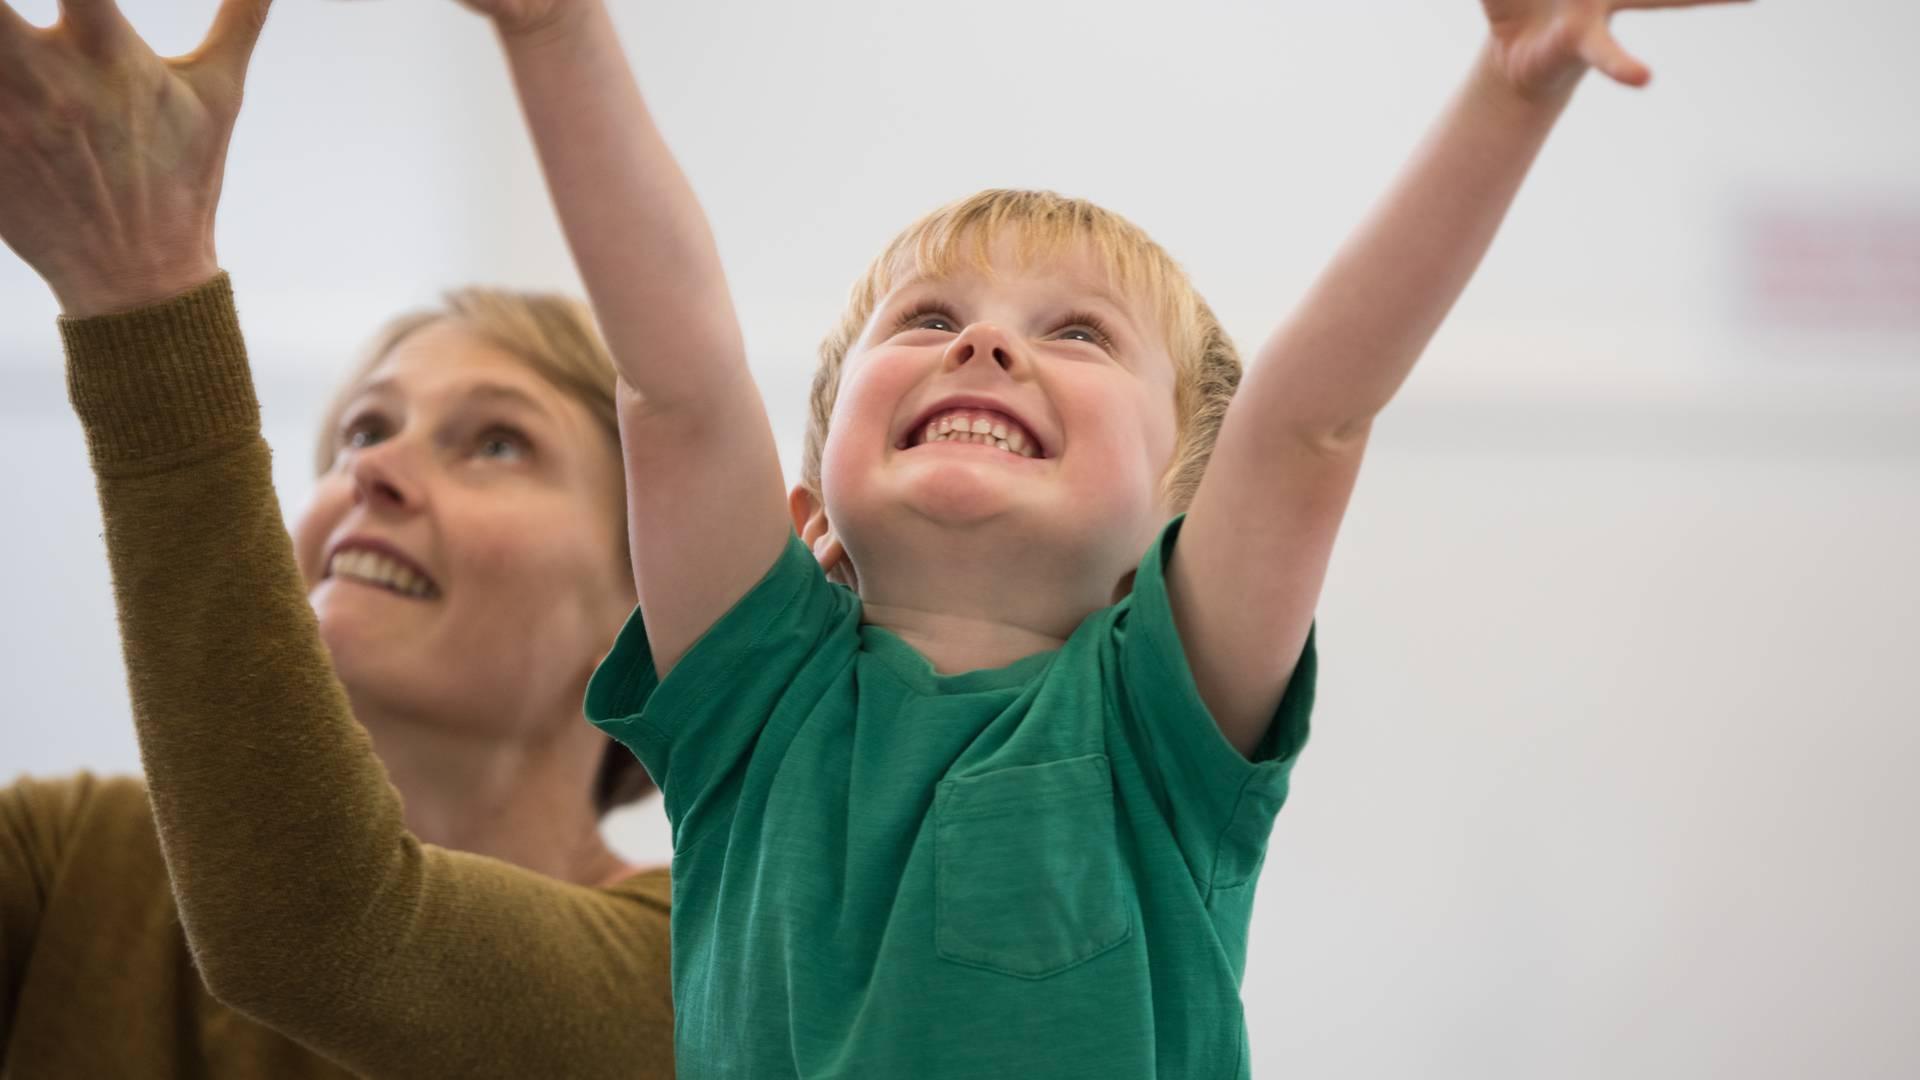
<point x="1043" y="870"/>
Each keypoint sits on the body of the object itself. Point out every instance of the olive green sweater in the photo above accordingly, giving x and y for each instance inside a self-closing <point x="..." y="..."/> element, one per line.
<point x="96" y="976"/>
<point x="307" y="904"/>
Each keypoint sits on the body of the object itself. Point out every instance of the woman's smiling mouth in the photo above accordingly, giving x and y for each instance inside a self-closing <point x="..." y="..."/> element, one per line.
<point x="364" y="566"/>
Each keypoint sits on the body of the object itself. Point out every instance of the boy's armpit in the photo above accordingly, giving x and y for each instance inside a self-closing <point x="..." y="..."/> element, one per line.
<point x="1248" y="572"/>
<point x="778" y="646"/>
<point x="706" y="513"/>
<point x="1221" y="802"/>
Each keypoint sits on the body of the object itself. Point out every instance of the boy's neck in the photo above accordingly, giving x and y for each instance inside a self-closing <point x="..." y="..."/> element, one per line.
<point x="967" y="602"/>
<point x="957" y="643"/>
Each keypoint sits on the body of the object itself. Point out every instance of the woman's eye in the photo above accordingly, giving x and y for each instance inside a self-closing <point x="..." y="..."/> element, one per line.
<point x="362" y="433"/>
<point x="503" y="444"/>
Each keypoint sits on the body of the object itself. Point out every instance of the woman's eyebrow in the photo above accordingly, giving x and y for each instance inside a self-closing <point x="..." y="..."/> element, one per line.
<point x="485" y="393"/>
<point x="502" y="394"/>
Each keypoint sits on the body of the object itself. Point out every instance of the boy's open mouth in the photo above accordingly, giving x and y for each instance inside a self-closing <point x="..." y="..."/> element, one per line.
<point x="977" y="426"/>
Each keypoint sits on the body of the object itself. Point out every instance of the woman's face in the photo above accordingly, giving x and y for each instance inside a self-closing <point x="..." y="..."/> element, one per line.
<point x="463" y="554"/>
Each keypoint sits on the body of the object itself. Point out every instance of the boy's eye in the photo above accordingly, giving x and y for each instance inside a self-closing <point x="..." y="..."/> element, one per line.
<point x="1081" y="327"/>
<point x="932" y="319"/>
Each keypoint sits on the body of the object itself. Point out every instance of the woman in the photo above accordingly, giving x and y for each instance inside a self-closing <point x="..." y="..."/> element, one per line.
<point x="482" y="927"/>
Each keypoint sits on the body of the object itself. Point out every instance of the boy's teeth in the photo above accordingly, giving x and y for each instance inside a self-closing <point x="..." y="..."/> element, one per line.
<point x="993" y="429"/>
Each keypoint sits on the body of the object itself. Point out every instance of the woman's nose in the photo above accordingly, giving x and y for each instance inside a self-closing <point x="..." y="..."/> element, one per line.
<point x="385" y="475"/>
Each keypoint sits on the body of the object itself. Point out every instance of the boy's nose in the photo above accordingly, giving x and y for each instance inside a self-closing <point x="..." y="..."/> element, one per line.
<point x="983" y="340"/>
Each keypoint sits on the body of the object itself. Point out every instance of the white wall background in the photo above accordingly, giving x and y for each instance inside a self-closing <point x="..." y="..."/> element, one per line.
<point x="1613" y="772"/>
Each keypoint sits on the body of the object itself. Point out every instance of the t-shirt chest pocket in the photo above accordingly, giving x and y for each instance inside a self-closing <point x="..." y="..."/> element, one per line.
<point x="1027" y="875"/>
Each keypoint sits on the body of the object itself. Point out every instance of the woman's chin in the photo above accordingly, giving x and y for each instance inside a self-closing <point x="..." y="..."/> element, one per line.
<point x="362" y="628"/>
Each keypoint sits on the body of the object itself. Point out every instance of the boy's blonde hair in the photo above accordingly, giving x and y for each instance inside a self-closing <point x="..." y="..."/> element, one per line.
<point x="1043" y="224"/>
<point x="557" y="339"/>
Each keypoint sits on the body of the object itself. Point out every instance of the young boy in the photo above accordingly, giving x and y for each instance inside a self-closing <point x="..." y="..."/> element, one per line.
<point x="993" y="800"/>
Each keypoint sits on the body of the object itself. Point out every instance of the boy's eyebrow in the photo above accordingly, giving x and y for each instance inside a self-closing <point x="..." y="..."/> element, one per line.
<point x="1104" y="293"/>
<point x="1115" y="301"/>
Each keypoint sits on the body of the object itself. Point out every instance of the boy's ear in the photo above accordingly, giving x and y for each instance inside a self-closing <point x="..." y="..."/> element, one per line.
<point x="811" y="525"/>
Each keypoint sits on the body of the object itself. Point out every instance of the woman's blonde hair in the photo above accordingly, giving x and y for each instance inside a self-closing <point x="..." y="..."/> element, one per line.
<point x="557" y="339"/>
<point x="1042" y="225"/>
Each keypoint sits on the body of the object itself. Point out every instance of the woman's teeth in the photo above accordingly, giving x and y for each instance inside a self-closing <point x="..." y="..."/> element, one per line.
<point x="982" y="429"/>
<point x="372" y="568"/>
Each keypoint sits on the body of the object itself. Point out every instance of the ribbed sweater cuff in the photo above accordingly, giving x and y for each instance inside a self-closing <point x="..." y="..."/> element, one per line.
<point x="162" y="381"/>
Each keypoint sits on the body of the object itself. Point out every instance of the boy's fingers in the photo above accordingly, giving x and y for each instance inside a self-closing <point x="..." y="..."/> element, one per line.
<point x="236" y="29"/>
<point x="1622" y="5"/>
<point x="1601" y="51"/>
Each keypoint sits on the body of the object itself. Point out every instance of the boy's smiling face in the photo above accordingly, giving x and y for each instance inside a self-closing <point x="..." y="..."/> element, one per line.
<point x="1070" y="377"/>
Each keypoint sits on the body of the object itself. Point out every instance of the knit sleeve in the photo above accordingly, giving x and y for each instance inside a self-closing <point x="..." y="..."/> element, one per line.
<point x="308" y="904"/>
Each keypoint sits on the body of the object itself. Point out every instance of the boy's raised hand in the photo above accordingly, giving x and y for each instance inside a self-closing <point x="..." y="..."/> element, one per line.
<point x="111" y="158"/>
<point x="1543" y="46"/>
<point x="521" y="16"/>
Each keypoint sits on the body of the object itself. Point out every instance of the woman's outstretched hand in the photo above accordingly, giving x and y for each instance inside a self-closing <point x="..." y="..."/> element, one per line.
<point x="111" y="158"/>
<point x="1544" y="46"/>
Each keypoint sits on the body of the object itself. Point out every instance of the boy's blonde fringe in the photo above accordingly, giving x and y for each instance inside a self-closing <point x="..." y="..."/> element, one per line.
<point x="1043" y="224"/>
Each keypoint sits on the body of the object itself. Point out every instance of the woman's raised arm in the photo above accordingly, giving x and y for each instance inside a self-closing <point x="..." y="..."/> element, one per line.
<point x="308" y="904"/>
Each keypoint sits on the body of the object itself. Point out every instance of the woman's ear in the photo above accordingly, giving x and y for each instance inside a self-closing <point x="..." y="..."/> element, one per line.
<point x="811" y="525"/>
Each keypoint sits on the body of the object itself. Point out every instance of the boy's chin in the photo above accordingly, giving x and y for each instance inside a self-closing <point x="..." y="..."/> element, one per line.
<point x="961" y="495"/>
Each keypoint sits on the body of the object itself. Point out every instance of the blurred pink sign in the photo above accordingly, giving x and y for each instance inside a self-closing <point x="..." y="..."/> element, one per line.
<point x="1832" y="265"/>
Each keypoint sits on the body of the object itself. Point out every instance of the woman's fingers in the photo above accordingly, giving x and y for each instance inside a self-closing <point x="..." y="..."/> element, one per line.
<point x="96" y="23"/>
<point x="229" y="45"/>
<point x="15" y="33"/>
<point x="110" y="157"/>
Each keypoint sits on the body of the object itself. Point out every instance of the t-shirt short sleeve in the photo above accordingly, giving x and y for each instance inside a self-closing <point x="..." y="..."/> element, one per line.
<point x="692" y="729"/>
<point x="1221" y="803"/>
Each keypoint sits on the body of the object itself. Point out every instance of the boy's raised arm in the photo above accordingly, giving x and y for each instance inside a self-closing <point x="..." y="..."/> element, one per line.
<point x="1247" y="572"/>
<point x="706" y="501"/>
